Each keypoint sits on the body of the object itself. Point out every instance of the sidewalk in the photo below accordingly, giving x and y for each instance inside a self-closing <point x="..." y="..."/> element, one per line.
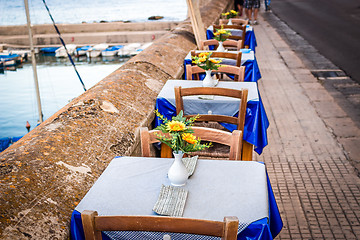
<point x="316" y="187"/>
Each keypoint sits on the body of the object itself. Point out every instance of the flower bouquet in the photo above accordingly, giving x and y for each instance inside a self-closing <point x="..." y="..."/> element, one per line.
<point x="179" y="137"/>
<point x="205" y="62"/>
<point x="230" y="14"/>
<point x="221" y="35"/>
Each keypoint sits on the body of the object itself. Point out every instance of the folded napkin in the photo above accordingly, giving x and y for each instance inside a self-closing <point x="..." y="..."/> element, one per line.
<point x="245" y="50"/>
<point x="190" y="164"/>
<point x="171" y="201"/>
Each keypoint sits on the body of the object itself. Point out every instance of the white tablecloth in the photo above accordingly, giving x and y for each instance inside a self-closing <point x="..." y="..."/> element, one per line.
<point x="218" y="188"/>
<point x="219" y="105"/>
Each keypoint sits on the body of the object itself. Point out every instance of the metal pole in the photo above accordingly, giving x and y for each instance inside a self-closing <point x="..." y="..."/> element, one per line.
<point x="33" y="61"/>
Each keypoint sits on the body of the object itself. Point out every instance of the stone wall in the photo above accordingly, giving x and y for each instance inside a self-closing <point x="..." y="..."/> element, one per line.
<point x="85" y="34"/>
<point x="45" y="174"/>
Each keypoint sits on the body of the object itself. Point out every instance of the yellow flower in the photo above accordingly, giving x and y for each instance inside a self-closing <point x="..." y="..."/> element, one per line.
<point x="233" y="11"/>
<point x="188" y="137"/>
<point x="227" y="13"/>
<point x="175" y="126"/>
<point x="214" y="61"/>
<point x="203" y="59"/>
<point x="203" y="54"/>
<point x="222" y="31"/>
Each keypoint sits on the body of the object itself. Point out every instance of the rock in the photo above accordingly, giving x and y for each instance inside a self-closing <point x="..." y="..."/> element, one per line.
<point x="155" y="17"/>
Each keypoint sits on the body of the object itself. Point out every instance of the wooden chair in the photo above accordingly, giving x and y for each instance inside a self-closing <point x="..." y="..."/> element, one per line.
<point x="235" y="21"/>
<point x="238" y="27"/>
<point x="228" y="44"/>
<point x="180" y="93"/>
<point x="94" y="224"/>
<point x="234" y="139"/>
<point x="238" y="72"/>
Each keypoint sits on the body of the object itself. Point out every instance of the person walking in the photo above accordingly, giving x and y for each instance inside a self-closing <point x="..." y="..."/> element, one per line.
<point x="252" y="7"/>
<point x="267" y="5"/>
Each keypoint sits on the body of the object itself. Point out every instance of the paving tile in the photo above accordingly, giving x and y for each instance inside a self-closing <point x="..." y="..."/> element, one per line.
<point x="343" y="127"/>
<point x="315" y="185"/>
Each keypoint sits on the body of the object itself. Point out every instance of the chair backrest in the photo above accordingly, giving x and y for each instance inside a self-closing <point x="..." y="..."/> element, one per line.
<point x="228" y="44"/>
<point x="180" y="93"/>
<point x="234" y="139"/>
<point x="235" y="21"/>
<point x="238" y="27"/>
<point x="238" y="72"/>
<point x="233" y="44"/>
<point x="94" y="224"/>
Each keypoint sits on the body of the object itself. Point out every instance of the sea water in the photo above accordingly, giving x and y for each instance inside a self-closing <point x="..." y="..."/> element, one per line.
<point x="58" y="81"/>
<point x="71" y="11"/>
<point x="58" y="84"/>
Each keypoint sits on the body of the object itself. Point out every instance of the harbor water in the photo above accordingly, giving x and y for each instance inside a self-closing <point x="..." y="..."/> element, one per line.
<point x="58" y="85"/>
<point x="58" y="81"/>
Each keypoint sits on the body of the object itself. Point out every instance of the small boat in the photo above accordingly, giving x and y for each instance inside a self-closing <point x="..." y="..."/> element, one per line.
<point x="49" y="50"/>
<point x="95" y="51"/>
<point x="10" y="59"/>
<point x="129" y="50"/>
<point x="24" y="54"/>
<point x="138" y="50"/>
<point x="111" y="51"/>
<point x="81" y="51"/>
<point x="61" y="52"/>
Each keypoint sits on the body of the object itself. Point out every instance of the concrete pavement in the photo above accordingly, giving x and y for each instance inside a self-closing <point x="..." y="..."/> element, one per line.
<point x="312" y="167"/>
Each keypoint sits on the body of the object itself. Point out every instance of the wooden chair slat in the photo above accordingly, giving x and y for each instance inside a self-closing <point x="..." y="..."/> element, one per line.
<point x="234" y="139"/>
<point x="93" y="223"/>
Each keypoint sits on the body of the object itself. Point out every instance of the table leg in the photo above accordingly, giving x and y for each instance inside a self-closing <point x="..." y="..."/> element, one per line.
<point x="247" y="151"/>
<point x="166" y="151"/>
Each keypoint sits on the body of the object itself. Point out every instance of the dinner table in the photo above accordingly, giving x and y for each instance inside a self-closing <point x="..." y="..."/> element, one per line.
<point x="256" y="121"/>
<point x="248" y="59"/>
<point x="217" y="188"/>
<point x="250" y="39"/>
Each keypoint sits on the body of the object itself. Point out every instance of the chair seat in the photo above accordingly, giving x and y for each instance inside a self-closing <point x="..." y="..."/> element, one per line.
<point x="217" y="151"/>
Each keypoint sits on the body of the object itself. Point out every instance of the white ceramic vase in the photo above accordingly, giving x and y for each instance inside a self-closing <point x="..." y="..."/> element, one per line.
<point x="208" y="80"/>
<point x="220" y="47"/>
<point x="229" y="22"/>
<point x="178" y="173"/>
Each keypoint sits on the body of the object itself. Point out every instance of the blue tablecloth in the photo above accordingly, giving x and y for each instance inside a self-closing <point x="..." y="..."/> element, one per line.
<point x="250" y="39"/>
<point x="262" y="229"/>
<point x="252" y="71"/>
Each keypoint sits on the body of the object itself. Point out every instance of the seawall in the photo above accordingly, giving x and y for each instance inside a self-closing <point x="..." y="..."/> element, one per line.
<point x="44" y="175"/>
<point x="85" y="33"/>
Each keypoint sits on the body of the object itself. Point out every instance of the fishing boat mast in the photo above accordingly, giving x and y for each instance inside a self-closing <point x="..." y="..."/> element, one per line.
<point x="33" y="61"/>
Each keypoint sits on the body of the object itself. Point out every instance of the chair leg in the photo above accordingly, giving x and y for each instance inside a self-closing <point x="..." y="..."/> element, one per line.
<point x="247" y="151"/>
<point x="165" y="151"/>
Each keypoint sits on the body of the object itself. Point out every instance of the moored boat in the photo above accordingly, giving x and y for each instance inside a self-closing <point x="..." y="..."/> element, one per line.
<point x="95" y="51"/>
<point x="129" y="49"/>
<point x="111" y="51"/>
<point x="61" y="52"/>
<point x="49" y="50"/>
<point x="10" y="59"/>
<point x="139" y="49"/>
<point x="81" y="51"/>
